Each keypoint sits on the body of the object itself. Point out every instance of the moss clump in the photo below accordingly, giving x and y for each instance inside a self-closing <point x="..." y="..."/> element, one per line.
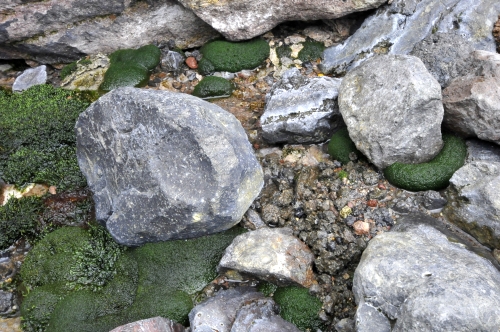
<point x="212" y="86"/>
<point x="299" y="307"/>
<point x="71" y="67"/>
<point x="222" y="55"/>
<point x="311" y="51"/>
<point x="433" y="175"/>
<point x="267" y="288"/>
<point x="341" y="145"/>
<point x="130" y="67"/>
<point x="37" y="139"/>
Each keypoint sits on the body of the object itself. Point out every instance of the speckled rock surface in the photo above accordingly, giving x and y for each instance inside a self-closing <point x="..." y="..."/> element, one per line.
<point x="29" y="78"/>
<point x="165" y="165"/>
<point x="155" y="324"/>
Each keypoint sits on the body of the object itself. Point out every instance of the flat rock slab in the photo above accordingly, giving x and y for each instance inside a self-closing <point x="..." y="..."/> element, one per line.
<point x="165" y="165"/>
<point x="29" y="78"/>
<point x="155" y="324"/>
<point x="392" y="108"/>
<point x="271" y="254"/>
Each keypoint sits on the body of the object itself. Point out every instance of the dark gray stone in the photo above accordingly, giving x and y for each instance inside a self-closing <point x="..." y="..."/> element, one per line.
<point x="155" y="324"/>
<point x="432" y="200"/>
<point x="8" y="304"/>
<point x="392" y="108"/>
<point x="29" y="78"/>
<point x="165" y="165"/>
<point x="345" y="325"/>
<point x="482" y="150"/>
<point x="369" y="319"/>
<point x="172" y="61"/>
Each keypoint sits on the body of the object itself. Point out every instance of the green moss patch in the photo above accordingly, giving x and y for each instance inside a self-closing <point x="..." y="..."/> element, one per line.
<point x="130" y="67"/>
<point x="311" y="51"/>
<point x="299" y="307"/>
<point x="71" y="67"/>
<point x="212" y="87"/>
<point x="341" y="145"/>
<point x="433" y="175"/>
<point x="222" y="55"/>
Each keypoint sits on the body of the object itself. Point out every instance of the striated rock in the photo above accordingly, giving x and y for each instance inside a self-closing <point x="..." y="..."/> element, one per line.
<point x="58" y="31"/>
<point x="396" y="28"/>
<point x="301" y="110"/>
<point x="29" y="78"/>
<point x="271" y="254"/>
<point x="393" y="111"/>
<point x="155" y="324"/>
<point x="88" y="75"/>
<point x="165" y="165"/>
<point x="243" y="19"/>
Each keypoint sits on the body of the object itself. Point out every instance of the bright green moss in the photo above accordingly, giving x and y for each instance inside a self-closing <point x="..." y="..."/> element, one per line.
<point x="299" y="307"/>
<point x="341" y="145"/>
<point x="433" y="175"/>
<point x="212" y="86"/>
<point x="130" y="67"/>
<point x="222" y="55"/>
<point x="311" y="51"/>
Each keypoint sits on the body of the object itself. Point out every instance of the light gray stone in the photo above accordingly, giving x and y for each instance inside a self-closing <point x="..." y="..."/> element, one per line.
<point x="392" y="108"/>
<point x="423" y="280"/>
<point x="243" y="19"/>
<point x="271" y="254"/>
<point x="155" y="324"/>
<point x="482" y="150"/>
<point x="397" y="27"/>
<point x="165" y="165"/>
<point x="29" y="78"/>
<point x="301" y="110"/>
<point x="369" y="319"/>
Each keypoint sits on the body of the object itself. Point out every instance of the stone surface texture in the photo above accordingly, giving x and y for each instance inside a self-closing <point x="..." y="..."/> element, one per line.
<point x="155" y="324"/>
<point x="242" y="19"/>
<point x="369" y="319"/>
<point x="57" y="31"/>
<point x="482" y="150"/>
<point x="301" y="110"/>
<point x="87" y="76"/>
<point x="29" y="78"/>
<point x="398" y="26"/>
<point x="422" y="281"/>
<point x="164" y="165"/>
<point x="472" y="102"/>
<point x="392" y="108"/>
<point x="271" y="254"/>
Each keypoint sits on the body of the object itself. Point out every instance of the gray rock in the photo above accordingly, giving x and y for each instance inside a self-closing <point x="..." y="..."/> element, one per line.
<point x="29" y="78"/>
<point x="474" y="201"/>
<point x="242" y="19"/>
<point x="301" y="110"/>
<point x="369" y="319"/>
<point x="472" y="102"/>
<point x="481" y="150"/>
<point x="172" y="61"/>
<point x="432" y="200"/>
<point x="271" y="254"/>
<point x="8" y="304"/>
<point x="66" y="30"/>
<point x="345" y="325"/>
<point x="393" y="111"/>
<point x="165" y="165"/>
<point x="397" y="27"/>
<point x="155" y="324"/>
<point x="5" y="67"/>
<point x="423" y="281"/>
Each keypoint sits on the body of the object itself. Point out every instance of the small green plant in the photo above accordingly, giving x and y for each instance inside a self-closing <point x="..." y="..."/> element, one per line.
<point x="343" y="174"/>
<point x="212" y="87"/>
<point x="299" y="307"/>
<point x="341" y="145"/>
<point x="311" y="51"/>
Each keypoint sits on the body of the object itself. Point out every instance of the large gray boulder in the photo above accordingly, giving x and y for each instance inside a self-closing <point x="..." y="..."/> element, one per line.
<point x="392" y="108"/>
<point x="423" y="280"/>
<point x="243" y="19"/>
<point x="396" y="28"/>
<point x="301" y="110"/>
<point x="165" y="165"/>
<point x="65" y="30"/>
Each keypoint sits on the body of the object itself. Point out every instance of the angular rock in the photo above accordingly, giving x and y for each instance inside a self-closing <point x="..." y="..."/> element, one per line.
<point x="172" y="61"/>
<point x="30" y="77"/>
<point x="481" y="150"/>
<point x="155" y="324"/>
<point x="393" y="111"/>
<point x="271" y="254"/>
<point x="301" y="110"/>
<point x="396" y="28"/>
<point x="472" y="102"/>
<point x="369" y="319"/>
<point x="474" y="201"/>
<point x="88" y="74"/>
<point x="432" y="200"/>
<point x="243" y="19"/>
<point x="165" y="165"/>
<point x="423" y="281"/>
<point x="58" y="31"/>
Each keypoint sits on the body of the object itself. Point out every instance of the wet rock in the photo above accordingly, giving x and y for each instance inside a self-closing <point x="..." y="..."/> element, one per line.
<point x="155" y="324"/>
<point x="396" y="28"/>
<point x="172" y="61"/>
<point x="8" y="304"/>
<point x="414" y="272"/>
<point x="30" y="77"/>
<point x="88" y="75"/>
<point x="482" y="150"/>
<point x="472" y="102"/>
<point x="301" y="110"/>
<point x="165" y="165"/>
<point x="474" y="201"/>
<point x="369" y="319"/>
<point x="274" y="255"/>
<point x="393" y="111"/>
<point x="241" y="19"/>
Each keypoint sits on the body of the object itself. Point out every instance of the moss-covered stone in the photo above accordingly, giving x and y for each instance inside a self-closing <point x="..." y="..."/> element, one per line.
<point x="341" y="145"/>
<point x="222" y="55"/>
<point x="433" y="175"/>
<point x="130" y="67"/>
<point x="212" y="86"/>
<point x="311" y="51"/>
<point x="299" y="307"/>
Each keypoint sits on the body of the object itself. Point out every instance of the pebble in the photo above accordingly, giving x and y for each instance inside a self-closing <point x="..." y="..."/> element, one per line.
<point x="191" y="62"/>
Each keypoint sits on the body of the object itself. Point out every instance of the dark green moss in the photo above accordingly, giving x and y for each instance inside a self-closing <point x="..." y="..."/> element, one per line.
<point x="38" y="306"/>
<point x="299" y="307"/>
<point x="433" y="175"/>
<point x="341" y="145"/>
<point x="212" y="86"/>
<point x="67" y="70"/>
<point x="222" y="55"/>
<point x="267" y="288"/>
<point x="284" y="51"/>
<point x="311" y="51"/>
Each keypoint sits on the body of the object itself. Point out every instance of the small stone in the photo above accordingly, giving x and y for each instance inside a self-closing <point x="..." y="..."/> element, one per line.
<point x="345" y="211"/>
<point x="191" y="62"/>
<point x="372" y="203"/>
<point x="30" y="77"/>
<point x="361" y="227"/>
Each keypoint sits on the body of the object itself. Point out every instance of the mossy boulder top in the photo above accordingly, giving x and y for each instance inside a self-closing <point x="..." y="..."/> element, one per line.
<point x="165" y="165"/>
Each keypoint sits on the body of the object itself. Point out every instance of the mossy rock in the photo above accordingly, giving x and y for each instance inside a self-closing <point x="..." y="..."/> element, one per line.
<point x="72" y="67"/>
<point x="299" y="307"/>
<point x="341" y="145"/>
<point x="311" y="51"/>
<point x="130" y="67"/>
<point x="212" y="87"/>
<point x="222" y="55"/>
<point x="433" y="175"/>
